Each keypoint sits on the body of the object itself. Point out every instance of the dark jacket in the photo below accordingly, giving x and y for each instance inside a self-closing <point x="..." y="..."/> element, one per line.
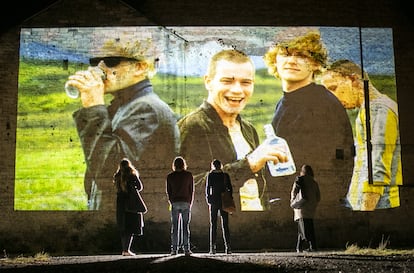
<point x="310" y="193"/>
<point x="130" y="200"/>
<point x="204" y="138"/>
<point x="316" y="126"/>
<point x="180" y="186"/>
<point x="129" y="205"/>
<point x="217" y="183"/>
<point x="136" y="125"/>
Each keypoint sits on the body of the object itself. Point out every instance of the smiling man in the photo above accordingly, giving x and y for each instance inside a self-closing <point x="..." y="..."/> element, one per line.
<point x="216" y="129"/>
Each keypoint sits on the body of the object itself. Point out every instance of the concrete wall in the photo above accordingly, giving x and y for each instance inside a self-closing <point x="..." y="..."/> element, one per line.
<point x="94" y="232"/>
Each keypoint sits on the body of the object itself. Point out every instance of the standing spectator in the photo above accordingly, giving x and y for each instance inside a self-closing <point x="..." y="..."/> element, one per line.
<point x="135" y="124"/>
<point x="344" y="79"/>
<point x="217" y="183"/>
<point x="129" y="205"/>
<point x="180" y="192"/>
<point x="304" y="208"/>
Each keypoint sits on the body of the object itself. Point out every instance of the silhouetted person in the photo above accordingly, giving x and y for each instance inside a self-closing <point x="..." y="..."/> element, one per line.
<point x="217" y="183"/>
<point x="304" y="209"/>
<point x="180" y="192"/>
<point x="129" y="205"/>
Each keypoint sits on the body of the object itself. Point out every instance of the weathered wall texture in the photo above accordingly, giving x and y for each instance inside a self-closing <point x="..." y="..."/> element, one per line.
<point x="94" y="232"/>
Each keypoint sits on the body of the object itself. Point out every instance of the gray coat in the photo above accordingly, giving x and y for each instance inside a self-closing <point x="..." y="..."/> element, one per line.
<point x="136" y="125"/>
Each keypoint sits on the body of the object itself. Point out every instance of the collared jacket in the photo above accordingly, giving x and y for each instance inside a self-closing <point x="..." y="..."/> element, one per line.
<point x="204" y="137"/>
<point x="217" y="183"/>
<point x="386" y="156"/>
<point x="136" y="125"/>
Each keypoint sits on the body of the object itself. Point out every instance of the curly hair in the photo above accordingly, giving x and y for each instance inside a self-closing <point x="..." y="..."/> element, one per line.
<point x="310" y="45"/>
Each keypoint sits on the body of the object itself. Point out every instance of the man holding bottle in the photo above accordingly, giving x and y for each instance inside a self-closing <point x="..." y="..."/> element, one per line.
<point x="308" y="116"/>
<point x="216" y="129"/>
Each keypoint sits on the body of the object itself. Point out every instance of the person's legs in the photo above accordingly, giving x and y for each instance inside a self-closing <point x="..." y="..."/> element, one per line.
<point x="129" y="251"/>
<point x="310" y="234"/>
<point x="186" y="218"/>
<point x="133" y="227"/>
<point x="174" y="228"/>
<point x="226" y="230"/>
<point x="301" y="235"/>
<point x="124" y="242"/>
<point x="121" y="222"/>
<point x="213" y="228"/>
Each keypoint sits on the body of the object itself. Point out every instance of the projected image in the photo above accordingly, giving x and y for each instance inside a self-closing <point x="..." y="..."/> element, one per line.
<point x="89" y="97"/>
<point x="345" y="79"/>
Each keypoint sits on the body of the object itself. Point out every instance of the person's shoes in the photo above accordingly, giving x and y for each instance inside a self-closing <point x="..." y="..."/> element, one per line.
<point x="228" y="251"/>
<point x="188" y="252"/>
<point x="128" y="253"/>
<point x="212" y="250"/>
<point x="173" y="252"/>
<point x="298" y="250"/>
<point x="308" y="250"/>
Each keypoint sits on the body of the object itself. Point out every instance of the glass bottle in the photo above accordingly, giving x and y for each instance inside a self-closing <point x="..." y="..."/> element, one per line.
<point x="281" y="168"/>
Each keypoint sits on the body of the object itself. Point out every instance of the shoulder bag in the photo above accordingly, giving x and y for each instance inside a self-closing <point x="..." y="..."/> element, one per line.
<point x="227" y="201"/>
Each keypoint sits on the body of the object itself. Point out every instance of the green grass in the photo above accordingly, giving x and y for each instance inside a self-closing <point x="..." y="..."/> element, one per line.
<point x="49" y="158"/>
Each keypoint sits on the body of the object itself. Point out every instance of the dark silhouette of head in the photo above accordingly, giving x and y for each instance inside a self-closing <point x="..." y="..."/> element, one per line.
<point x="179" y="164"/>
<point x="306" y="170"/>
<point x="216" y="164"/>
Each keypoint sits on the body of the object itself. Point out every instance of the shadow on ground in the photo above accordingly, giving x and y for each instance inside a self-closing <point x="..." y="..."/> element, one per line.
<point x="203" y="263"/>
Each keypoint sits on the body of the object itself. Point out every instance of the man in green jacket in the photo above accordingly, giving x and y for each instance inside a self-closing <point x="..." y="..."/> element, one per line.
<point x="216" y="130"/>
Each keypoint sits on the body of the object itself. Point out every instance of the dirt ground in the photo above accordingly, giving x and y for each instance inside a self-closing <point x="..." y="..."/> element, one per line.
<point x="275" y="262"/>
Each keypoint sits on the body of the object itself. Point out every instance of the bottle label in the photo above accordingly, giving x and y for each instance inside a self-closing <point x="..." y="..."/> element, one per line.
<point x="281" y="168"/>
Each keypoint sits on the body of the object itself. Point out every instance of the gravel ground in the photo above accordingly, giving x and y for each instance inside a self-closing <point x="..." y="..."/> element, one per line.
<point x="275" y="262"/>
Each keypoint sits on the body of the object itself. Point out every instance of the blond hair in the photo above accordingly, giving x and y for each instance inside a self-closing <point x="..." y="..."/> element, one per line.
<point x="309" y="45"/>
<point x="142" y="51"/>
<point x="231" y="55"/>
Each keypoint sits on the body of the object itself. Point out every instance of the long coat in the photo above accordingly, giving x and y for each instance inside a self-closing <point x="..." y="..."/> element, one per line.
<point x="311" y="194"/>
<point x="130" y="207"/>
